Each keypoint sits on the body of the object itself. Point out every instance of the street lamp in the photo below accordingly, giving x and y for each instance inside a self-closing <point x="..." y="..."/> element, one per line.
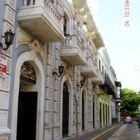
<point x="60" y="71"/>
<point x="8" y="36"/>
<point x="81" y="84"/>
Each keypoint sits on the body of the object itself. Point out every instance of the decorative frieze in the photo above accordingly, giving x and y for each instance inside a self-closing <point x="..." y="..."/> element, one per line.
<point x="27" y="73"/>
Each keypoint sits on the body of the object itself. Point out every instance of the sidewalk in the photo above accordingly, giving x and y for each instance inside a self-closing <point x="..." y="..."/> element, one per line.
<point x="95" y="134"/>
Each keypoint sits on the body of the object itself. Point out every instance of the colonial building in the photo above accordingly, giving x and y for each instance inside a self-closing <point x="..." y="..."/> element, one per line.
<point x="51" y="78"/>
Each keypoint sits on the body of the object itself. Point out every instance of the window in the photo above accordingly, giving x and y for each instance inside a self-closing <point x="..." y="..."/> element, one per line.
<point x="65" y="25"/>
<point x="99" y="65"/>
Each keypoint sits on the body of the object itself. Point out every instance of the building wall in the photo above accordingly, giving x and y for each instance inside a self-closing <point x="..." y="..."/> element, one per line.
<point x="7" y="21"/>
<point x="45" y="57"/>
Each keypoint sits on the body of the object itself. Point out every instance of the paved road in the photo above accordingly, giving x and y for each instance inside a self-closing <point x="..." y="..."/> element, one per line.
<point x="127" y="132"/>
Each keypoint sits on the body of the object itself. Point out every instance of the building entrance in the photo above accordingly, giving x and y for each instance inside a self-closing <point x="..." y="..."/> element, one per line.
<point x="83" y="112"/>
<point x="93" y="115"/>
<point x="27" y="110"/>
<point x="65" y="119"/>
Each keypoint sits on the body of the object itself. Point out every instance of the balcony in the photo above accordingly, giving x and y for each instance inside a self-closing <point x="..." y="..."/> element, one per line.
<point x="43" y="19"/>
<point x="99" y="79"/>
<point x="108" y="86"/>
<point x="71" y="53"/>
<point x="88" y="70"/>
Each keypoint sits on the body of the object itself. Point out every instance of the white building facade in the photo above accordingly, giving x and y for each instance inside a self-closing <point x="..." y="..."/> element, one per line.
<point x="36" y="101"/>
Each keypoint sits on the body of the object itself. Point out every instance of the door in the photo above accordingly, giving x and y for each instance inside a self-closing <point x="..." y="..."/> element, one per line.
<point x="100" y="115"/>
<point x="83" y="112"/>
<point x="93" y="115"/>
<point x="27" y="112"/>
<point x="65" y="123"/>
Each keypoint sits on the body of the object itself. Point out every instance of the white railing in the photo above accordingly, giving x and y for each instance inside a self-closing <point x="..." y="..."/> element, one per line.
<point x="71" y="43"/>
<point x="54" y="11"/>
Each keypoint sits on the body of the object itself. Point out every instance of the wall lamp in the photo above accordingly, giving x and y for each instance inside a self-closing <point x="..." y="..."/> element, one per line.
<point x="81" y="84"/>
<point x="60" y="71"/>
<point x="9" y="37"/>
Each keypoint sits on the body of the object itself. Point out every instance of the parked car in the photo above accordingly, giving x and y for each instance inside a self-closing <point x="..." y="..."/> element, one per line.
<point x="128" y="119"/>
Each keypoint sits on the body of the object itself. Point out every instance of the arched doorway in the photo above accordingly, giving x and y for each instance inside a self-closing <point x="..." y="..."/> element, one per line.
<point x="83" y="111"/>
<point x="27" y="103"/>
<point x="93" y="111"/>
<point x="100" y="114"/>
<point x="65" y="111"/>
<point x="37" y="89"/>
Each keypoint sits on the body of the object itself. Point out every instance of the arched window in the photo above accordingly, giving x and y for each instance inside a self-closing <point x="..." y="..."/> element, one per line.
<point x="65" y="25"/>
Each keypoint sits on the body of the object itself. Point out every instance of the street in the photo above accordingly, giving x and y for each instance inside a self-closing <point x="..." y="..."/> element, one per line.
<point x="127" y="132"/>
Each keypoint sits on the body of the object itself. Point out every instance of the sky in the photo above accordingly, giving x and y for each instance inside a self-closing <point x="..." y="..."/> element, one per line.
<point x="121" y="40"/>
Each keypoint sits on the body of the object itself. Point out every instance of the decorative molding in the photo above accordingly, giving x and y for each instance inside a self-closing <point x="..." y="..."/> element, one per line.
<point x="28" y="73"/>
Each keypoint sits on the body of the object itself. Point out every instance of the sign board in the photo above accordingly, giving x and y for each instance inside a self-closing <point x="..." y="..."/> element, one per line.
<point x="3" y="64"/>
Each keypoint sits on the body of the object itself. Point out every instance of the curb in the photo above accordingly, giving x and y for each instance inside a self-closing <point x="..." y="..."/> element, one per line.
<point x="103" y="133"/>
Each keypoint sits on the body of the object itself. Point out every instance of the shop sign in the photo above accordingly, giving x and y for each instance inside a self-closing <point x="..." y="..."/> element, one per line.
<point x="3" y="64"/>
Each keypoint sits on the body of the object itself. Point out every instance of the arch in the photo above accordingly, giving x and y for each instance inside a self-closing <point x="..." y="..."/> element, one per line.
<point x="67" y="25"/>
<point x="93" y="110"/>
<point x="68" y="81"/>
<point x="28" y="73"/>
<point x="68" y="14"/>
<point x="83" y="99"/>
<point x="34" y="59"/>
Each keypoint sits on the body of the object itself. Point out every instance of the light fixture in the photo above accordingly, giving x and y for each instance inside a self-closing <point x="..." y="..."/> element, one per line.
<point x="81" y="84"/>
<point x="60" y="71"/>
<point x="8" y="36"/>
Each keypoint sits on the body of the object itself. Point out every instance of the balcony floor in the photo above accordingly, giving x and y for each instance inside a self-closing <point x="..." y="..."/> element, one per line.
<point x="88" y="71"/>
<point x="72" y="56"/>
<point x="39" y="24"/>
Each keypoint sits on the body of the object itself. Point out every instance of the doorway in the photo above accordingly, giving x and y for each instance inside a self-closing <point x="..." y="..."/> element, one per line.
<point x="65" y="119"/>
<point x="27" y="112"/>
<point x="83" y="112"/>
<point x="93" y="114"/>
